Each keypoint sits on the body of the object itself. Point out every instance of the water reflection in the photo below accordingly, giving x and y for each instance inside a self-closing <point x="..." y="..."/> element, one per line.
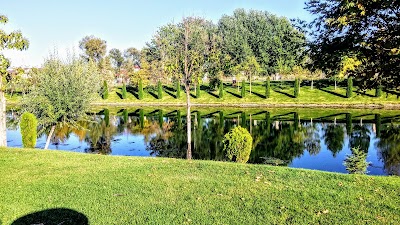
<point x="284" y="137"/>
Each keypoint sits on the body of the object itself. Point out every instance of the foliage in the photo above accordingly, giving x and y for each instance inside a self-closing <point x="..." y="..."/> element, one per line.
<point x="349" y="90"/>
<point x="105" y="90"/>
<point x="238" y="144"/>
<point x="178" y="89"/>
<point x="117" y="58"/>
<point x="296" y="87"/>
<point x="140" y="87"/>
<point x="94" y="48"/>
<point x="28" y="127"/>
<point x="13" y="40"/>
<point x="159" y="90"/>
<point x="63" y="90"/>
<point x="132" y="54"/>
<point x="378" y="91"/>
<point x="221" y="89"/>
<point x="243" y="89"/>
<point x="271" y="40"/>
<point x="367" y="30"/>
<point x="123" y="91"/>
<point x="214" y="83"/>
<point x="198" y="91"/>
<point x="356" y="162"/>
<point x="268" y="88"/>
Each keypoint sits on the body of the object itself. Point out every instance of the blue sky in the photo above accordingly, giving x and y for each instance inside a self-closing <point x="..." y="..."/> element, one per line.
<point x="59" y="25"/>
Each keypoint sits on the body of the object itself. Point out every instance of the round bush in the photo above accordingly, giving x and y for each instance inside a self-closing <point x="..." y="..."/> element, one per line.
<point x="28" y="127"/>
<point x="237" y="144"/>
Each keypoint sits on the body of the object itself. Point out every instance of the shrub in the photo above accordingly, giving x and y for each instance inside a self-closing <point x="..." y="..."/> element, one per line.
<point x="296" y="87"/>
<point x="105" y="90"/>
<point x="214" y="82"/>
<point x="243" y="93"/>
<point x="124" y="91"/>
<point x="221" y="89"/>
<point x="356" y="163"/>
<point x="198" y="91"/>
<point x="28" y="127"/>
<point x="178" y="89"/>
<point x="140" y="89"/>
<point x="378" y="91"/>
<point x="141" y="118"/>
<point x="267" y="88"/>
<point x="237" y="144"/>
<point x="159" y="90"/>
<point x="349" y="91"/>
<point x="107" y="117"/>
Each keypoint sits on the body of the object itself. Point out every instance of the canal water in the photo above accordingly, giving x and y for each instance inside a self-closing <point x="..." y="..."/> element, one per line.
<point x="318" y="139"/>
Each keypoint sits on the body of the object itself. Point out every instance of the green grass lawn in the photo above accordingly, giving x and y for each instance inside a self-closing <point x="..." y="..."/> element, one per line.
<point x="281" y="93"/>
<point x="133" y="190"/>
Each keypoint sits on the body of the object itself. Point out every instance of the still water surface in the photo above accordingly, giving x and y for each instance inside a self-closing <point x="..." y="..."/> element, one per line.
<point x="312" y="139"/>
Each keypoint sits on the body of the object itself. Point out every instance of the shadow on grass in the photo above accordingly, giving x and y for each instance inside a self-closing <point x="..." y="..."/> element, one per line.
<point x="257" y="94"/>
<point x="133" y="90"/>
<point x="153" y="94"/>
<point x="54" y="216"/>
<point x="365" y="94"/>
<point x="393" y="93"/>
<point x="284" y="93"/>
<point x="333" y="93"/>
<point x="234" y="94"/>
<point x="170" y="93"/>
<point x="119" y="95"/>
<point x="212" y="94"/>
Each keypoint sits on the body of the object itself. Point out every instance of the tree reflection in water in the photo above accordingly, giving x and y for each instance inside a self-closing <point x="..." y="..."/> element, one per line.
<point x="389" y="149"/>
<point x="277" y="137"/>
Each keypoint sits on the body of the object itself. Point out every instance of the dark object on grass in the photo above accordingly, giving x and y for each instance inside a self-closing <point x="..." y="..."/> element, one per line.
<point x="54" y="217"/>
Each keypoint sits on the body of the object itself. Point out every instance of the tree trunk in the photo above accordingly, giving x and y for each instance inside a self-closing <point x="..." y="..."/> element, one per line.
<point x="3" y="128"/>
<point x="49" y="137"/>
<point x="189" y="123"/>
<point x="312" y="84"/>
<point x="335" y="84"/>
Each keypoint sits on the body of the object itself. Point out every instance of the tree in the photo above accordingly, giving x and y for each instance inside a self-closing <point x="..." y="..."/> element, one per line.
<point x="273" y="41"/>
<point x="116" y="57"/>
<point x="243" y="91"/>
<point x="251" y="68"/>
<point x="159" y="90"/>
<point x="268" y="87"/>
<point x="132" y="54"/>
<point x="349" y="90"/>
<point x="367" y="30"/>
<point x="221" y="89"/>
<point x="63" y="91"/>
<point x="123" y="91"/>
<point x="13" y="40"/>
<point x="105" y="90"/>
<point x="296" y="87"/>
<point x="94" y="48"/>
<point x="181" y="47"/>
<point x="140" y="87"/>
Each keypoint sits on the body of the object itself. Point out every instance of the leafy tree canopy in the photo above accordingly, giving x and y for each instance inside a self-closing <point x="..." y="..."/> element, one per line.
<point x="364" y="30"/>
<point x="94" y="48"/>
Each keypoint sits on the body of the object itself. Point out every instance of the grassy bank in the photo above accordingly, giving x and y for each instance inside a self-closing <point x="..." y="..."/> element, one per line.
<point x="130" y="190"/>
<point x="281" y="95"/>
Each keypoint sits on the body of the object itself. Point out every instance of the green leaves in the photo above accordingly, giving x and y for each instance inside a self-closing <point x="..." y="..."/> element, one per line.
<point x="237" y="144"/>
<point x="63" y="90"/>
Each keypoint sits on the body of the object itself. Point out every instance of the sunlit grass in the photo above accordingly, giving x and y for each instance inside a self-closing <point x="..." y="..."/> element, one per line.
<point x="132" y="190"/>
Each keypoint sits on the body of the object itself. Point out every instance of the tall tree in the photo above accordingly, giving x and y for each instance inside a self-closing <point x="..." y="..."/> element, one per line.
<point x="182" y="48"/>
<point x="13" y="40"/>
<point x="94" y="48"/>
<point x="117" y="58"/>
<point x="272" y="40"/>
<point x="132" y="54"/>
<point x="366" y="30"/>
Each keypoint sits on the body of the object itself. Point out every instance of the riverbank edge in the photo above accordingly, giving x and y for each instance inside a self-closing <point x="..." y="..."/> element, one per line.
<point x="256" y="105"/>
